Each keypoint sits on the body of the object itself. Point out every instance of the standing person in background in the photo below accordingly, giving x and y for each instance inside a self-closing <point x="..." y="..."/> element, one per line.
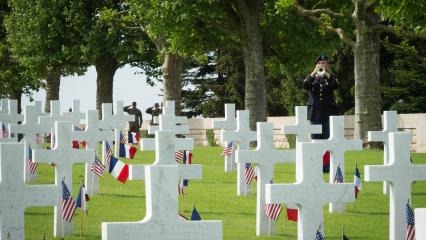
<point x="321" y="104"/>
<point x="136" y="125"/>
<point x="154" y="111"/>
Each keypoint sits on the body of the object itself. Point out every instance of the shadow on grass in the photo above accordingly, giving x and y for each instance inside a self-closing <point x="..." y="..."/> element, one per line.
<point x="367" y="212"/>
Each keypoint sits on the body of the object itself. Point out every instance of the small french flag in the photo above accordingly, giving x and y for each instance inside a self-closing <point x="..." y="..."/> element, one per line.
<point x="133" y="137"/>
<point x="127" y="151"/>
<point x="119" y="170"/>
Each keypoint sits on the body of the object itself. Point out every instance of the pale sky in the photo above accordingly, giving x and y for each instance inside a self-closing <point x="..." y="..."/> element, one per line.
<point x="128" y="87"/>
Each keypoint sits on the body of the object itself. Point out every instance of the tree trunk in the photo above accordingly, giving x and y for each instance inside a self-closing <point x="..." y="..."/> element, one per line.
<point x="17" y="94"/>
<point x="53" y="81"/>
<point x="172" y="80"/>
<point x="367" y="79"/>
<point x="251" y="40"/>
<point x="105" y="68"/>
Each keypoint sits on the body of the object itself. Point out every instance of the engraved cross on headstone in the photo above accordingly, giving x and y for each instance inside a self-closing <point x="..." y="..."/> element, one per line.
<point x="16" y="195"/>
<point x="265" y="156"/>
<point x="310" y="192"/>
<point x="303" y="128"/>
<point x="399" y="173"/>
<point x="64" y="157"/>
<point x="228" y="124"/>
<point x="92" y="135"/>
<point x="337" y="145"/>
<point x="243" y="136"/>
<point x="162" y="220"/>
<point x="390" y="119"/>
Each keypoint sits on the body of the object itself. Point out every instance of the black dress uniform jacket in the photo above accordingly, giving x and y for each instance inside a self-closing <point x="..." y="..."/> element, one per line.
<point x="321" y="103"/>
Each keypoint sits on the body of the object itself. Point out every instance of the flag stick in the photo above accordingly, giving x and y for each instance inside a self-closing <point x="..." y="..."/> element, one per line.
<point x="91" y="189"/>
<point x="269" y="227"/>
<point x="81" y="224"/>
<point x="62" y="226"/>
<point x="183" y="207"/>
<point x="285" y="222"/>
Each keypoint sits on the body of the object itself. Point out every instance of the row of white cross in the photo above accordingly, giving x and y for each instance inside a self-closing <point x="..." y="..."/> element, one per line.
<point x="161" y="221"/>
<point x="309" y="192"/>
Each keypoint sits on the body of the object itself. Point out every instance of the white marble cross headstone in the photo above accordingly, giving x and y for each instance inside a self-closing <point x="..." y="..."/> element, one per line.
<point x="179" y="122"/>
<point x="265" y="156"/>
<point x="310" y="192"/>
<point x="420" y="224"/>
<point x="93" y="135"/>
<point x="116" y="121"/>
<point x="399" y="173"/>
<point x="4" y="108"/>
<point x="30" y="128"/>
<point x="191" y="171"/>
<point x="47" y="122"/>
<point x="303" y="128"/>
<point x="75" y="115"/>
<point x="16" y="195"/>
<point x="389" y="125"/>
<point x="162" y="220"/>
<point x="64" y="157"/>
<point x="228" y="124"/>
<point x="11" y="116"/>
<point x="243" y="136"/>
<point x="337" y="145"/>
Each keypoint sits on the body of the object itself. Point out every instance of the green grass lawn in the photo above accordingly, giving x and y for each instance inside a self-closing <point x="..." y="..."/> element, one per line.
<point x="215" y="199"/>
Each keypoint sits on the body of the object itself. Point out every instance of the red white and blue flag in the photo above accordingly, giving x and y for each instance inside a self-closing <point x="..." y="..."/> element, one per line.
<point x="227" y="151"/>
<point x="4" y="133"/>
<point x="133" y="137"/>
<point x="38" y="138"/>
<point x="410" y="234"/>
<point x="319" y="235"/>
<point x="357" y="181"/>
<point x="292" y="212"/>
<point x="273" y="210"/>
<point x="179" y="156"/>
<point x="119" y="170"/>
<point x="68" y="204"/>
<point x="126" y="151"/>
<point x="181" y="188"/>
<point x="339" y="176"/>
<point x="97" y="167"/>
<point x="108" y="153"/>
<point x="249" y="174"/>
<point x="82" y="199"/>
<point x="32" y="166"/>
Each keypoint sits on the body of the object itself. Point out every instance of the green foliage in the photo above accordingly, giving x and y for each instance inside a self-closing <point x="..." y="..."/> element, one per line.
<point x="144" y="134"/>
<point x="291" y="138"/>
<point x="13" y="77"/>
<point x="210" y="138"/>
<point x="404" y="88"/>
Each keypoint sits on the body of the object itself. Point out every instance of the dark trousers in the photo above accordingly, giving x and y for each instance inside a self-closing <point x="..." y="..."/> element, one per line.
<point x="325" y="129"/>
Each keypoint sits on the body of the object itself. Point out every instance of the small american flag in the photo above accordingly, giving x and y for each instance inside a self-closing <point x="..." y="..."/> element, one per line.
<point x="410" y="235"/>
<point x="227" y="151"/>
<point x="108" y="153"/>
<point x="181" y="188"/>
<point x="32" y="166"/>
<point x="38" y="138"/>
<point x="122" y="139"/>
<point x="249" y="174"/>
<point x="339" y="176"/>
<point x="273" y="210"/>
<point x="68" y="204"/>
<point x="179" y="156"/>
<point x="4" y="132"/>
<point x="319" y="236"/>
<point x="97" y="167"/>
